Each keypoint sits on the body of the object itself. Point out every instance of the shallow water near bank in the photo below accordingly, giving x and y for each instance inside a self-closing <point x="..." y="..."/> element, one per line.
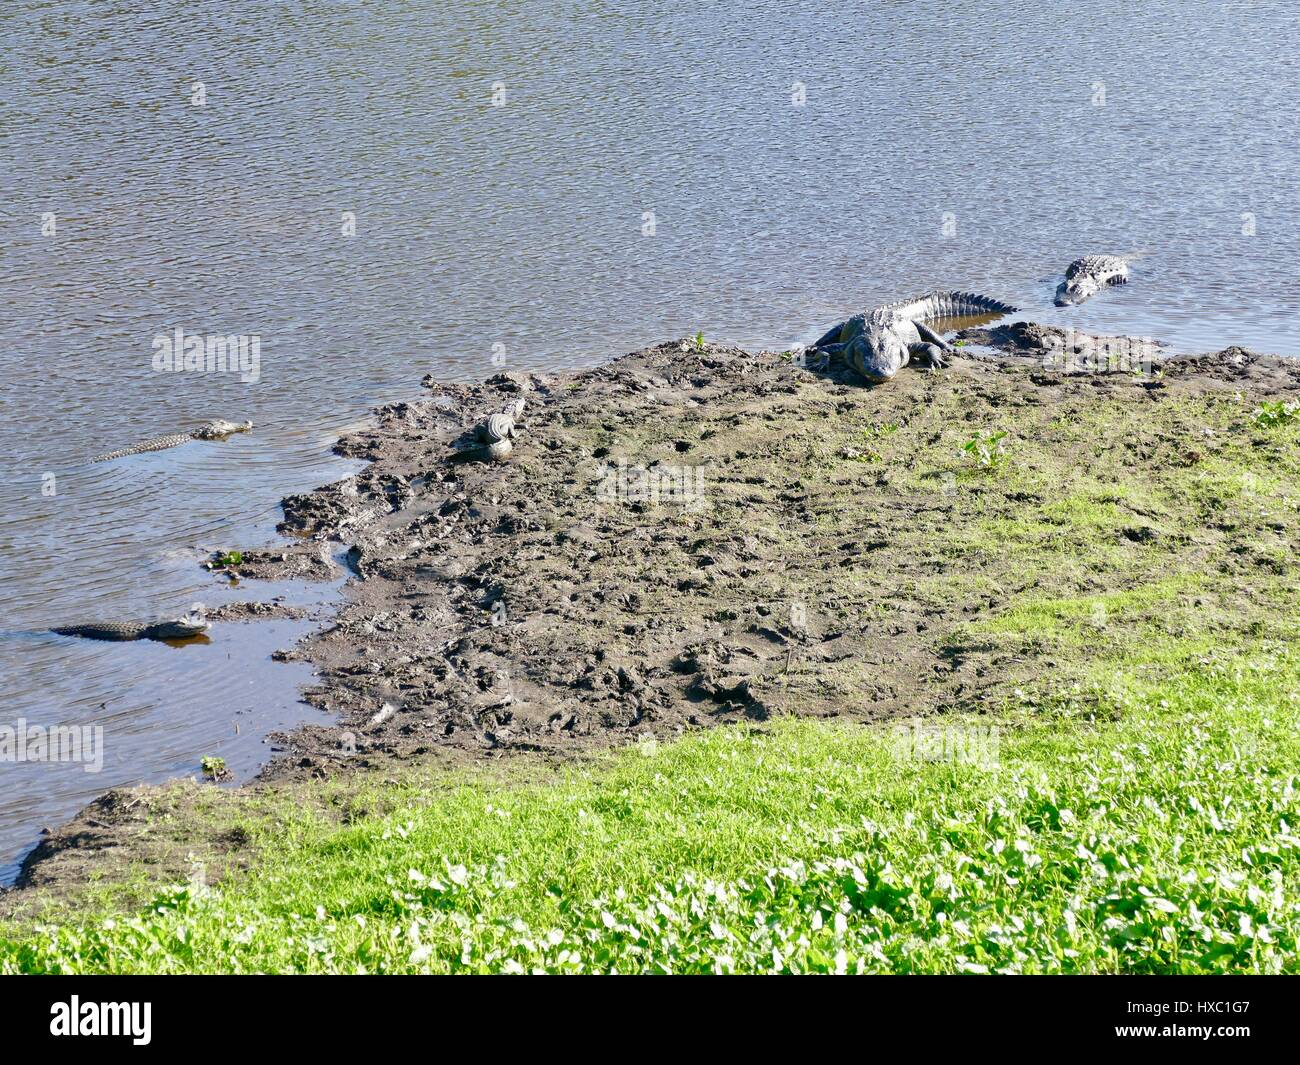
<point x="983" y="157"/>
<point x="158" y="709"/>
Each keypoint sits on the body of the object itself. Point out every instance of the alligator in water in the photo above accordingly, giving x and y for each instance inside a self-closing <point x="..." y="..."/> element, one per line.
<point x="216" y="430"/>
<point x="879" y="343"/>
<point x="1087" y="276"/>
<point x="192" y="624"/>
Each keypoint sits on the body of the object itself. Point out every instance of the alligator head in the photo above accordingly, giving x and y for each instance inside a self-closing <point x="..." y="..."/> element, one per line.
<point x="879" y="351"/>
<point x="220" y="428"/>
<point x="191" y="624"/>
<point x="1077" y="289"/>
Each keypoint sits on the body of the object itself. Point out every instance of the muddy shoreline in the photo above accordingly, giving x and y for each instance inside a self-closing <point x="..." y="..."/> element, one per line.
<point x="687" y="536"/>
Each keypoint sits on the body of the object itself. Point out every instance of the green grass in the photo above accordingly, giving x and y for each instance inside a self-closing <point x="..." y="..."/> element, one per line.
<point x="1269" y="415"/>
<point x="1151" y="829"/>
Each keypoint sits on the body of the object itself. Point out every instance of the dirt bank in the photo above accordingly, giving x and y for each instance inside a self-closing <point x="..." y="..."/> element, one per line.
<point x="682" y="538"/>
<point x="694" y="535"/>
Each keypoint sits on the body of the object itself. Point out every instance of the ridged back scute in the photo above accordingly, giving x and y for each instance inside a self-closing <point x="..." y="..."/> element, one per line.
<point x="498" y="427"/>
<point x="1095" y="264"/>
<point x="948" y="305"/>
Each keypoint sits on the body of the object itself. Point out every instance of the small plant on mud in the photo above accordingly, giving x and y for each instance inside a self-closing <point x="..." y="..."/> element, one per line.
<point x="854" y="455"/>
<point x="227" y="558"/>
<point x="1270" y="415"/>
<point x="214" y="767"/>
<point x="699" y="341"/>
<point x="987" y="451"/>
<point x="875" y="432"/>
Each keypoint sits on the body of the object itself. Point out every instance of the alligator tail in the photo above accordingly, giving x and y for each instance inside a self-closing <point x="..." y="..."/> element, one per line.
<point x="951" y="305"/>
<point x="160" y="444"/>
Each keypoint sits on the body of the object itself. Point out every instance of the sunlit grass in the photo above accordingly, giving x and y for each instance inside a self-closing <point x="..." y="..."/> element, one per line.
<point x="1160" y="841"/>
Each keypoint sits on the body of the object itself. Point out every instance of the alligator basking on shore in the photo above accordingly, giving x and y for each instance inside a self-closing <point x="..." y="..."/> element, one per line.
<point x="493" y="437"/>
<point x="879" y="343"/>
<point x="1087" y="276"/>
<point x="214" y="430"/>
<point x="192" y="624"/>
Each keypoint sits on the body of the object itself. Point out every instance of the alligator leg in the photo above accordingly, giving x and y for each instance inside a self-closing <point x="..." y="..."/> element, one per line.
<point x="927" y="355"/>
<point x="931" y="337"/>
<point x="833" y="350"/>
<point x="830" y="337"/>
<point x="820" y="356"/>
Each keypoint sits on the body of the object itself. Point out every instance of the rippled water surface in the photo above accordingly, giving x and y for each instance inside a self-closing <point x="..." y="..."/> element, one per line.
<point x="971" y="146"/>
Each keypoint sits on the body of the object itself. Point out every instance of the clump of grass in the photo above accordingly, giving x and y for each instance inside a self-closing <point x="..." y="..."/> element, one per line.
<point x="986" y="451"/>
<point x="1270" y="415"/>
<point x="224" y="559"/>
<point x="214" y="767"/>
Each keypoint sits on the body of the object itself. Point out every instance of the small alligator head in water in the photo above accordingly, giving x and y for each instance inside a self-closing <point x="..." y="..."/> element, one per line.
<point x="193" y="623"/>
<point x="1086" y="277"/>
<point x="1077" y="289"/>
<point x="215" y="430"/>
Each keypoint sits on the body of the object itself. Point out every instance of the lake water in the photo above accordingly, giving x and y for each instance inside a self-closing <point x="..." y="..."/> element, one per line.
<point x="381" y="190"/>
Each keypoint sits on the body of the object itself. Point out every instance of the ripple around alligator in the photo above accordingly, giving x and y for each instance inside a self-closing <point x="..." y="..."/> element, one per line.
<point x="161" y="706"/>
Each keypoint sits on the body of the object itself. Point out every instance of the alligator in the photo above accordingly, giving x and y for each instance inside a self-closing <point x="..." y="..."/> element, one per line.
<point x="496" y="433"/>
<point x="1087" y="276"/>
<point x="881" y="342"/>
<point x="215" y="430"/>
<point x="192" y="624"/>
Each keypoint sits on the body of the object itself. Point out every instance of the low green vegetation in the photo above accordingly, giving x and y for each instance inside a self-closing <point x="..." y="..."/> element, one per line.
<point x="1268" y="415"/>
<point x="1150" y="828"/>
<point x="986" y="451"/>
<point x="214" y="767"/>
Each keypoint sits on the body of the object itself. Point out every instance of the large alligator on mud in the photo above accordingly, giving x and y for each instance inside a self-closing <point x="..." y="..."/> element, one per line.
<point x="881" y="342"/>
<point x="1087" y="276"/>
<point x="214" y="430"/>
<point x="194" y="623"/>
